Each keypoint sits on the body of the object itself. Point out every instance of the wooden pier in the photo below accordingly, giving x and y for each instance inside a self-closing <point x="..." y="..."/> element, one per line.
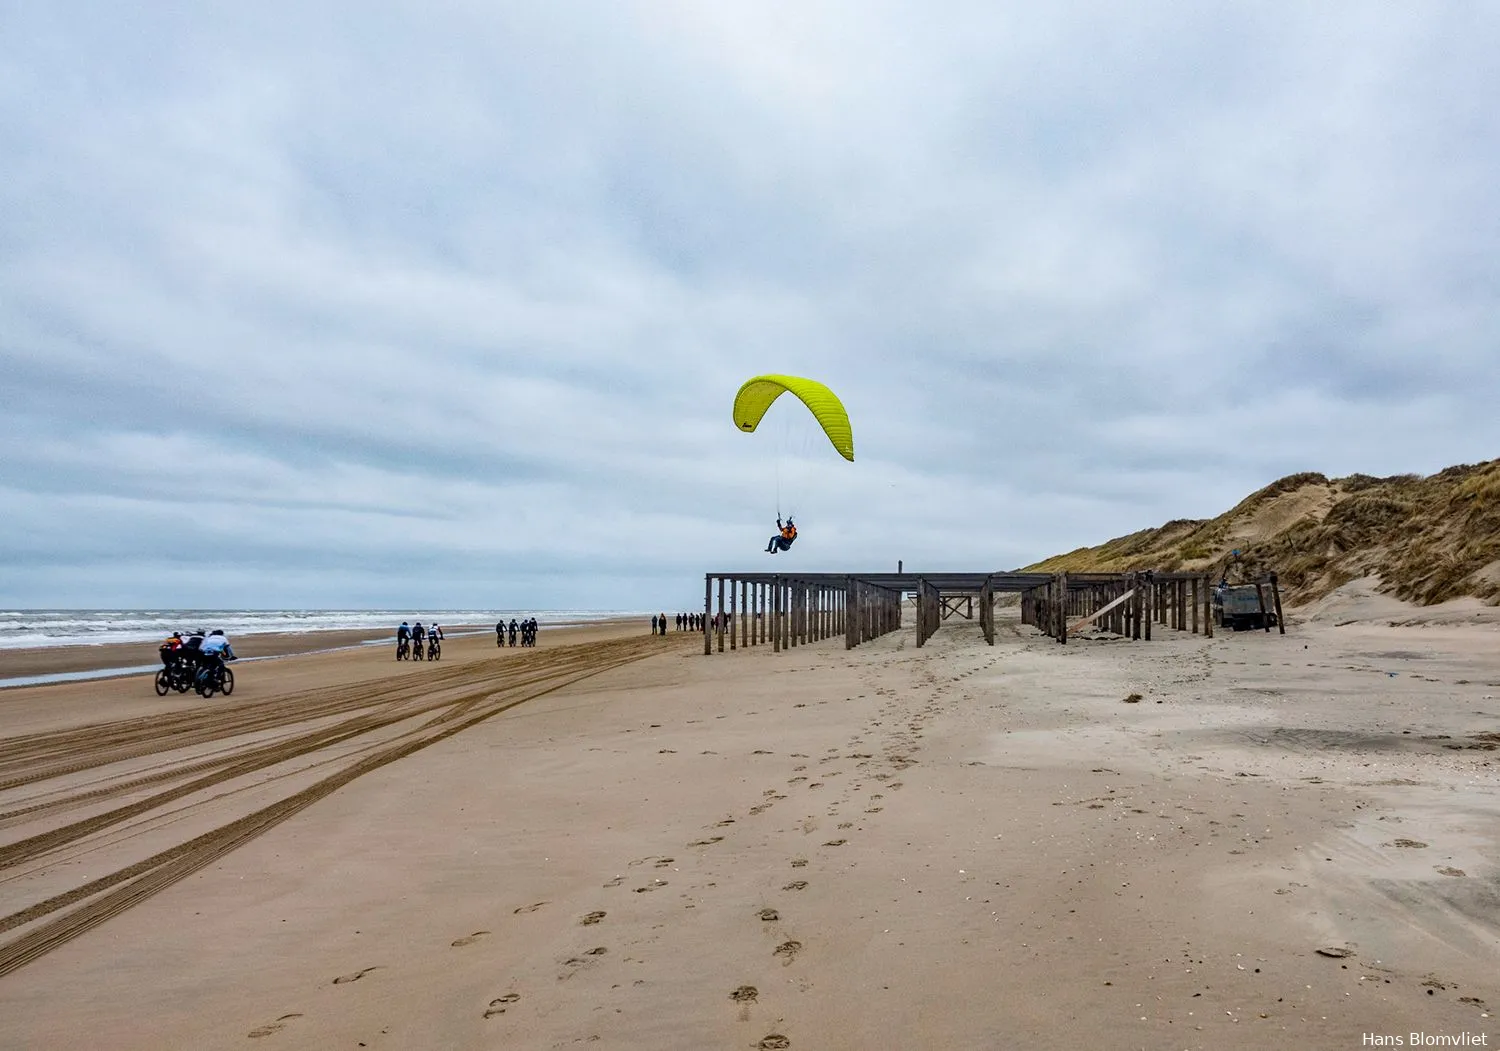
<point x="784" y="610"/>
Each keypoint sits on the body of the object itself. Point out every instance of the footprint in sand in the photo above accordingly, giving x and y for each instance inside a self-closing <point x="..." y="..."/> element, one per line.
<point x="745" y="994"/>
<point x="663" y="863"/>
<point x="796" y="884"/>
<point x="615" y="882"/>
<point x="798" y="863"/>
<point x="874" y="809"/>
<point x="345" y="979"/>
<point x="773" y="1042"/>
<point x="529" y="908"/>
<point x="592" y="918"/>
<point x="469" y="939"/>
<point x="273" y="1027"/>
<point x="846" y="824"/>
<point x="787" y="951"/>
<point x="653" y="885"/>
<point x="835" y="843"/>
<point x="498" y="1005"/>
<point x="769" y="915"/>
<point x="726" y="821"/>
<point x="710" y="841"/>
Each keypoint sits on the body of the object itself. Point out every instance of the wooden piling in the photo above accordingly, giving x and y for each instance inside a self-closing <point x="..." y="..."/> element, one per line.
<point x="708" y="598"/>
<point x="1208" y="607"/>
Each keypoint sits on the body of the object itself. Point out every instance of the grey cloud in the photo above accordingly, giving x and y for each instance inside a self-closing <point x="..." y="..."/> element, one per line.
<point x="365" y="305"/>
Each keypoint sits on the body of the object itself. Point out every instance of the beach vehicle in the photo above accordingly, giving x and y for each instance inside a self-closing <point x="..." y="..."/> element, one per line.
<point x="215" y="677"/>
<point x="1242" y="607"/>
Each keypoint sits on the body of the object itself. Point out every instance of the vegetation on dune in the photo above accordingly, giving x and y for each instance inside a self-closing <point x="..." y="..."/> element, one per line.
<point x="1428" y="539"/>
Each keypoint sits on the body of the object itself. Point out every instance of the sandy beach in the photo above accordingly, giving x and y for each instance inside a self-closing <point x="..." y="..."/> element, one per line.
<point x="612" y="841"/>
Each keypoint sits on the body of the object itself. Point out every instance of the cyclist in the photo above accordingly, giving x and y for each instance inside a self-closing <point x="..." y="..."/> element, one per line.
<point x="403" y="639"/>
<point x="170" y="647"/>
<point x="418" y="634"/>
<point x="213" y="652"/>
<point x="434" y="639"/>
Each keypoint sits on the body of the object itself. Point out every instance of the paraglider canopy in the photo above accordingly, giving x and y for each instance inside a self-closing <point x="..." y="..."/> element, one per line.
<point x="756" y="396"/>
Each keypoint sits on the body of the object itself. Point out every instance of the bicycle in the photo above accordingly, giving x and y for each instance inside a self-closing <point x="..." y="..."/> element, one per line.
<point x="416" y="649"/>
<point x="403" y="649"/>
<point x="434" y="649"/>
<point x="215" y="677"/>
<point x="178" y="675"/>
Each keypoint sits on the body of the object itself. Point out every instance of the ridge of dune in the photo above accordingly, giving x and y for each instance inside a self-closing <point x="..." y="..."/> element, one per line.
<point x="1422" y="540"/>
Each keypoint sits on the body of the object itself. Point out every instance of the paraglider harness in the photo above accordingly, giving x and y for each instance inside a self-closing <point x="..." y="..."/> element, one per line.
<point x="784" y="538"/>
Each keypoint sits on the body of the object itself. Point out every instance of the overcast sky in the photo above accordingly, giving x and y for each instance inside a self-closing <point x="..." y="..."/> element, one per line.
<point x="445" y="304"/>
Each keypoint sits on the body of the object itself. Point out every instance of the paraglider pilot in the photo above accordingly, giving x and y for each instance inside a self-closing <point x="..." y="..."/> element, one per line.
<point x="782" y="540"/>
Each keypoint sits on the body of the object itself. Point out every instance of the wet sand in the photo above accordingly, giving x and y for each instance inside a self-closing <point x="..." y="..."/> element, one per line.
<point x="958" y="846"/>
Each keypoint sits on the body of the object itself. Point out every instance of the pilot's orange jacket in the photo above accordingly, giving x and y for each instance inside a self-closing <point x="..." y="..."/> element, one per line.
<point x="790" y="532"/>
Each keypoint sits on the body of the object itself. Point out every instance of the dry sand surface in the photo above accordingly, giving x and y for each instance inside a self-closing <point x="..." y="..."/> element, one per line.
<point x="624" y="844"/>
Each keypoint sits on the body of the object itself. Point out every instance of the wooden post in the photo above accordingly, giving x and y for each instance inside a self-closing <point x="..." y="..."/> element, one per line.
<point x="793" y="598"/>
<point x="987" y="610"/>
<point x="1136" y="605"/>
<point x="719" y="625"/>
<point x="773" y="619"/>
<point x="1208" y="608"/>
<point x="786" y="617"/>
<point x="758" y="629"/>
<point x="921" y="612"/>
<point x="1062" y="622"/>
<point x="847" y="608"/>
<point x="1195" y="605"/>
<point x="1260" y="596"/>
<point x="708" y="598"/>
<point x="1276" y="598"/>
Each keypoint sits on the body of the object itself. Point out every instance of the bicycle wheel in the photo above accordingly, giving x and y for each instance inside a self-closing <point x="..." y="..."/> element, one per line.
<point x="163" y="682"/>
<point x="228" y="684"/>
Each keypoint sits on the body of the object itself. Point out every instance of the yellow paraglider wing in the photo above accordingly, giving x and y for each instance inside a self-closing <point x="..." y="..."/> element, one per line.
<point x="756" y="396"/>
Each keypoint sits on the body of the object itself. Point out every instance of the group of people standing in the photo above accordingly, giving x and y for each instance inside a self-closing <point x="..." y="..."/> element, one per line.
<point x="687" y="622"/>
<point x="526" y="629"/>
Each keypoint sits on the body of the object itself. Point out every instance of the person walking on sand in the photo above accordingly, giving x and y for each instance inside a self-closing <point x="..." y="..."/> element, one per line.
<point x="663" y="623"/>
<point x="653" y="624"/>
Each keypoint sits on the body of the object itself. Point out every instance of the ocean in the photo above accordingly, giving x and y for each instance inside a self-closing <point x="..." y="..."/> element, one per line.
<point x="25" y="628"/>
